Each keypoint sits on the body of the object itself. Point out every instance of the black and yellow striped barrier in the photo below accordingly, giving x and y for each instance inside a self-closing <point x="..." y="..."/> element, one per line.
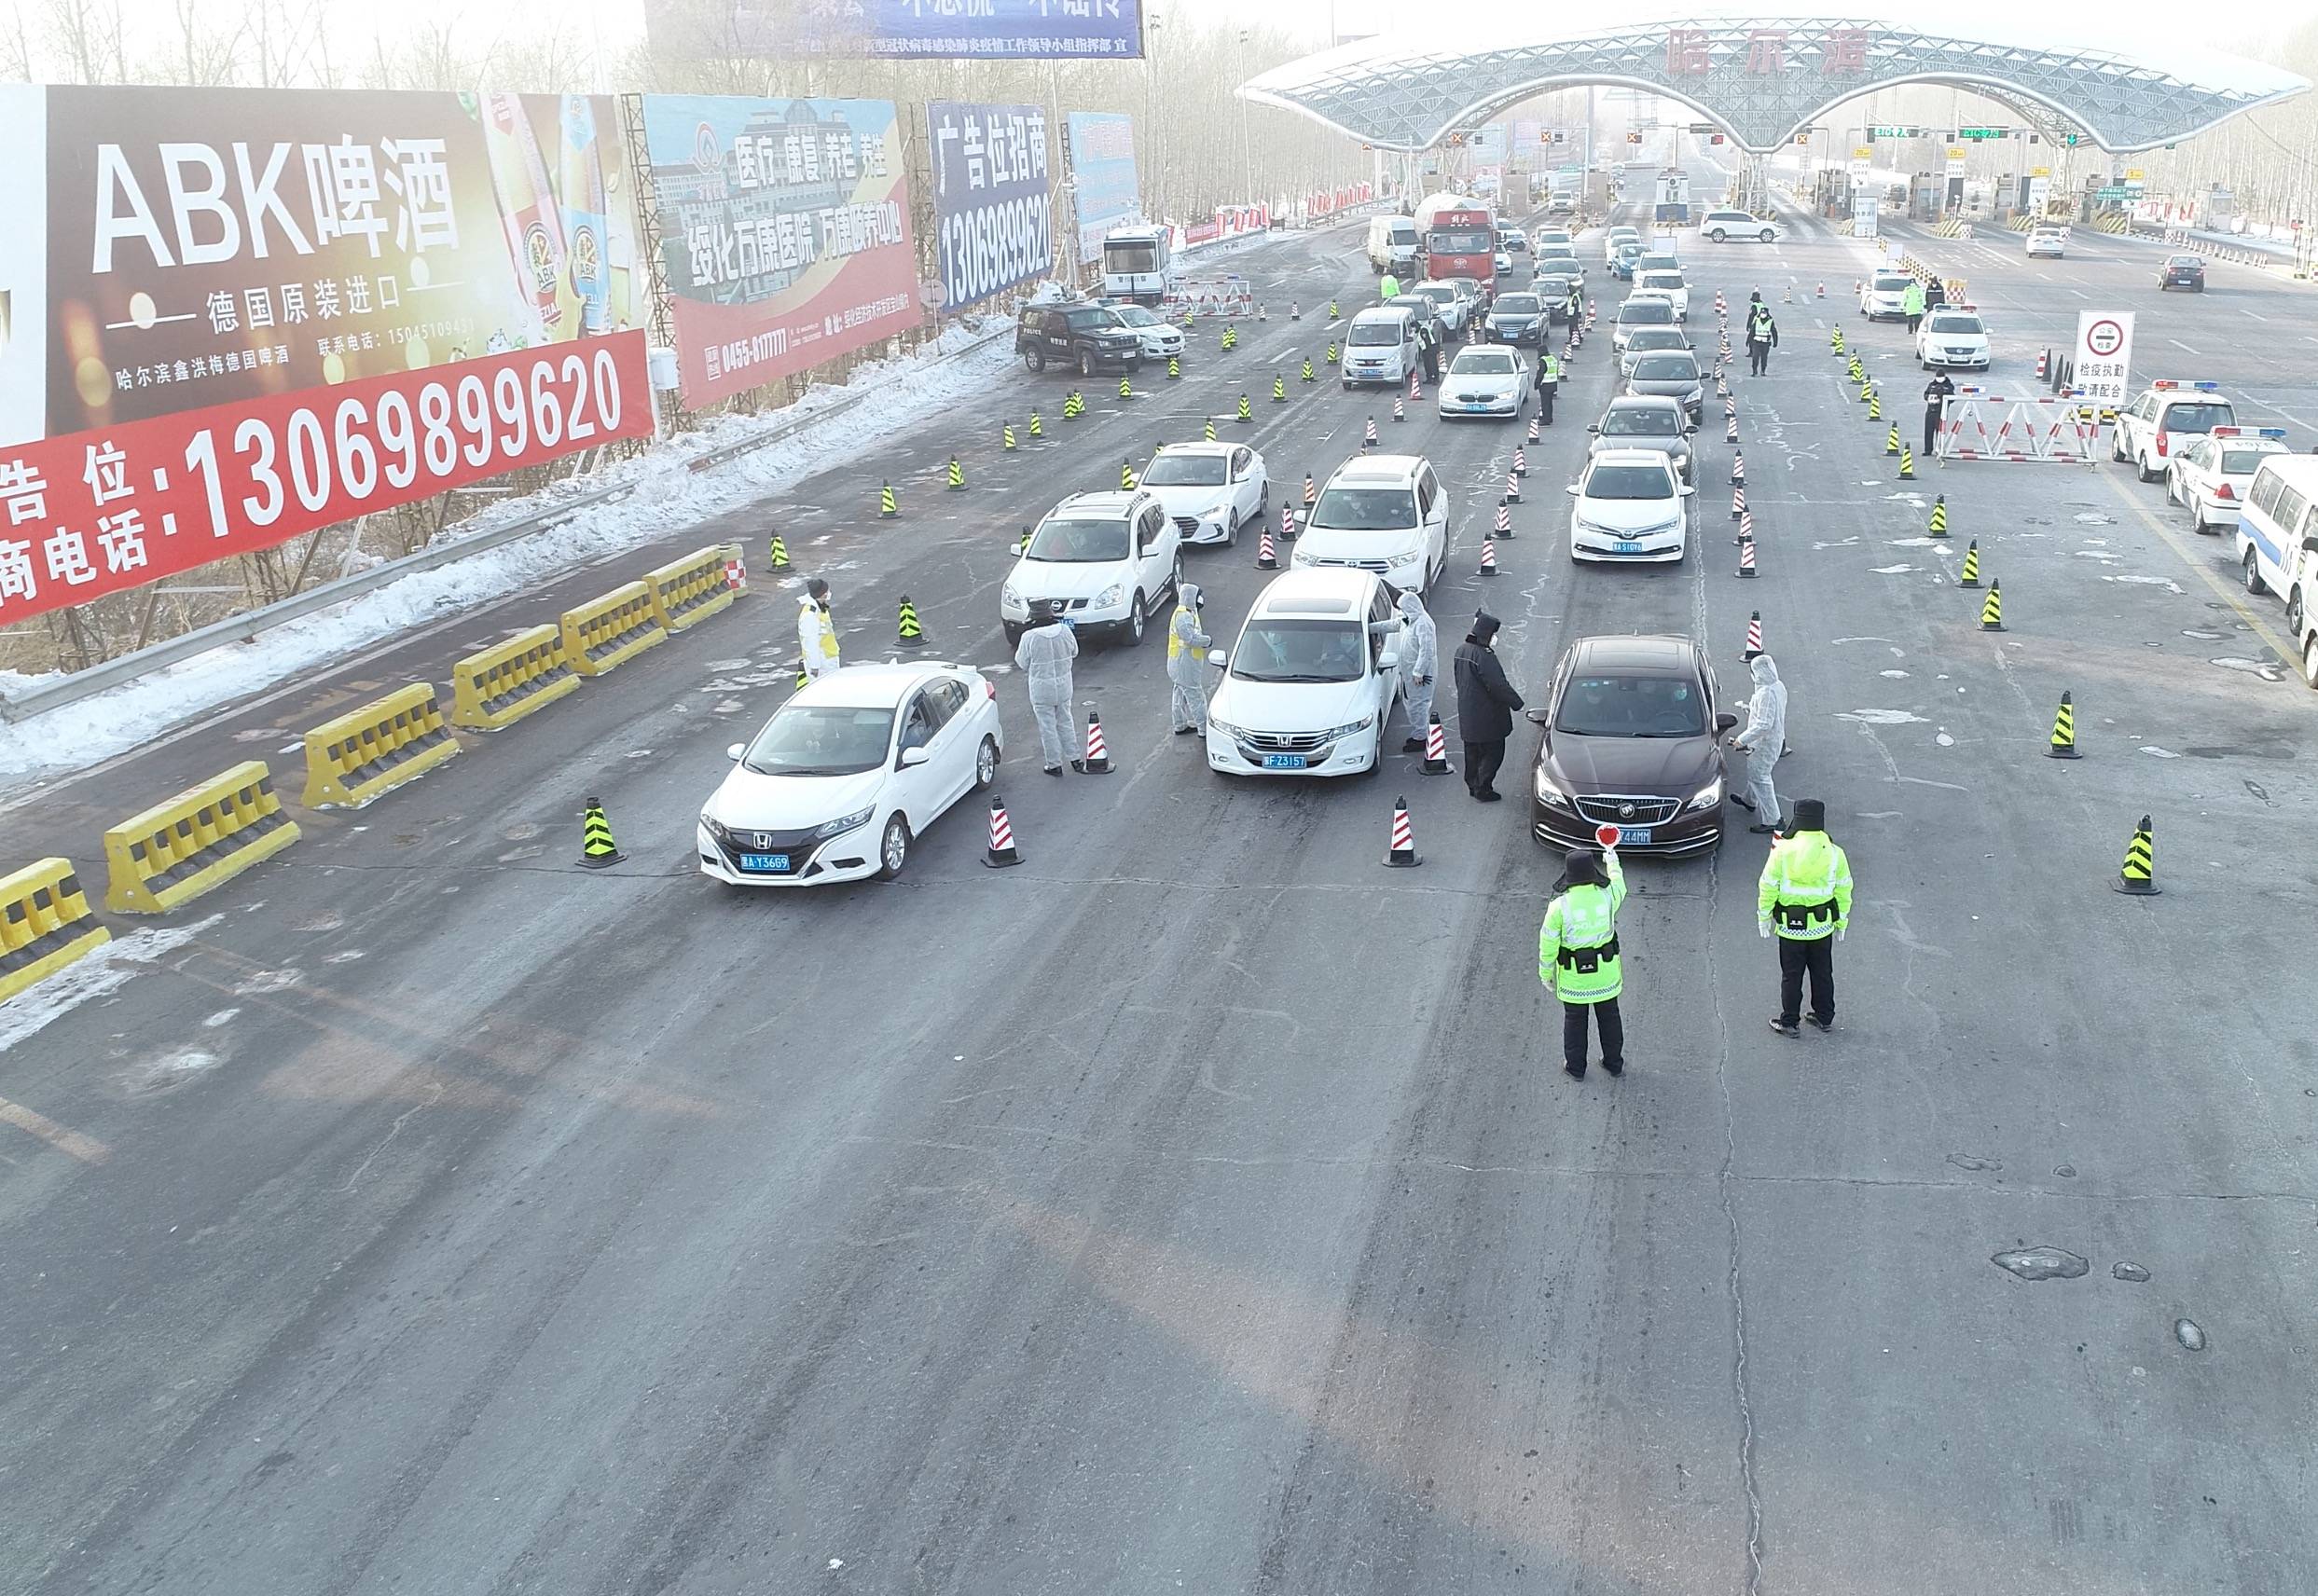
<point x="352" y="758"/>
<point x="203" y="837"/>
<point x="508" y="680"/>
<point x="687" y="591"/>
<point x="43" y="924"/>
<point x="604" y="633"/>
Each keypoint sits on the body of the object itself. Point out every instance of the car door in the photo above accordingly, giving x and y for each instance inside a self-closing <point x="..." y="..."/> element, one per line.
<point x="916" y="789"/>
<point x="1247" y="487"/>
<point x="953" y="741"/>
<point x="1385" y="629"/>
<point x="1432" y="508"/>
<point x="1156" y="543"/>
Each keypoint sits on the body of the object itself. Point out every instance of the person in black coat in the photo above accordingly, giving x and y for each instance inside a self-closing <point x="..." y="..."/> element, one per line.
<point x="1486" y="702"/>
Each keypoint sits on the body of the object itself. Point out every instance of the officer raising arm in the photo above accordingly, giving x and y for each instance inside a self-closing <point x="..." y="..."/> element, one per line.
<point x="1578" y="956"/>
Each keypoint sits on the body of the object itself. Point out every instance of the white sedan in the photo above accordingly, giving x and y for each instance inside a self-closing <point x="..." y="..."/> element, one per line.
<point x="1210" y="490"/>
<point x="849" y="772"/>
<point x="2212" y="475"/>
<point x="1952" y="336"/>
<point x="1630" y="507"/>
<point x="2049" y="242"/>
<point x="1161" y="338"/>
<point x="1485" y="380"/>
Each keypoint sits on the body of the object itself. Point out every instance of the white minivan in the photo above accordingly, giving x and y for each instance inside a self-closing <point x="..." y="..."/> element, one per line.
<point x="1380" y="346"/>
<point x="2277" y="533"/>
<point x="1392" y="242"/>
<point x="1310" y="683"/>
<point x="1380" y="512"/>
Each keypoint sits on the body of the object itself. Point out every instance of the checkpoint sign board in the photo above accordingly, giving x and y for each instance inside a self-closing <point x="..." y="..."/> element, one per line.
<point x="2103" y="354"/>
<point x="993" y="217"/>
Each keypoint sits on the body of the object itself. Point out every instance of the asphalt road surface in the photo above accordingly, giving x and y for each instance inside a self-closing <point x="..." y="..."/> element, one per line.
<point x="1201" y="1207"/>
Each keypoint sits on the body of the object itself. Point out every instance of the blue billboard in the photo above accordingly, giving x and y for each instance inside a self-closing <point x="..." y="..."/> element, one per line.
<point x="993" y="216"/>
<point x="947" y="30"/>
<point x="1102" y="168"/>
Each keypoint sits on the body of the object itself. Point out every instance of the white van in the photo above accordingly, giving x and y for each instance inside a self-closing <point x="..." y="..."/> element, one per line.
<point x="1380" y="346"/>
<point x="1392" y="242"/>
<point x="1310" y="683"/>
<point x="1385" y="513"/>
<point x="2277" y="534"/>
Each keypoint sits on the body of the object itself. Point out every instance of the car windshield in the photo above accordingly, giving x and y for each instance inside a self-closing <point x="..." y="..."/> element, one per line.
<point x="1891" y="284"/>
<point x="1439" y="293"/>
<point x="1660" y="280"/>
<point x="1184" y="471"/>
<point x="1957" y="325"/>
<point x="1629" y="482"/>
<point x="1640" y="421"/>
<point x="1274" y="649"/>
<point x="1657" y="263"/>
<point x="1091" y="319"/>
<point x="1484" y="363"/>
<point x="820" y="739"/>
<point x="1632" y="706"/>
<point x="1517" y="304"/>
<point x="1365" y="509"/>
<point x="1634" y="311"/>
<point x="1078" y="542"/>
<point x="2183" y="260"/>
<point x="2242" y="461"/>
<point x="1375" y="333"/>
<point x="1125" y="257"/>
<point x="1666" y="368"/>
<point x="2197" y="415"/>
<point x="1136" y="316"/>
<point x="1459" y="240"/>
<point x="1657" y="339"/>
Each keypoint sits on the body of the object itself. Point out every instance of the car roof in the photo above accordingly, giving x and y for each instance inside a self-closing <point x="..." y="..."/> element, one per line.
<point x="1378" y="470"/>
<point x="1197" y="447"/>
<point x="1662" y="651"/>
<point x="1112" y="502"/>
<point x="1306" y="592"/>
<point x="1641" y="402"/>
<point x="878" y="685"/>
<point x="1630" y="456"/>
<point x="1380" y="313"/>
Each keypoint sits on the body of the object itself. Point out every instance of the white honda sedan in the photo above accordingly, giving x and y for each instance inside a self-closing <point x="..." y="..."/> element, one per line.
<point x="848" y="773"/>
<point x="1210" y="491"/>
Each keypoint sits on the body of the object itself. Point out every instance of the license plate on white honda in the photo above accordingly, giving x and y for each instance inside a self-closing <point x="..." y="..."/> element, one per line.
<point x="1636" y="836"/>
<point x="766" y="863"/>
<point x="1283" y="761"/>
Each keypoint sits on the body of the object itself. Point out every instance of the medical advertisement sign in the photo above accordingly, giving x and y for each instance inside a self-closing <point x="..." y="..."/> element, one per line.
<point x="1102" y="168"/>
<point x="993" y="210"/>
<point x="233" y="316"/>
<point x="784" y="233"/>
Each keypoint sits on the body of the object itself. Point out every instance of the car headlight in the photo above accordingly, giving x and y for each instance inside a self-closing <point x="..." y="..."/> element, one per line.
<point x="1110" y="596"/>
<point x="1405" y="557"/>
<point x="1552" y="795"/>
<point x="1707" y="796"/>
<point x="1238" y="734"/>
<point x="843" y="823"/>
<point x="1352" y="729"/>
<point x="1305" y="556"/>
<point x="715" y="828"/>
<point x="1009" y="596"/>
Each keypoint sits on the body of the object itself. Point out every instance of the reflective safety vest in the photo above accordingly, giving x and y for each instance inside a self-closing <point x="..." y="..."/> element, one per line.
<point x="1176" y="643"/>
<point x="1578" y="945"/>
<point x="828" y="632"/>
<point x="1805" y="889"/>
<point x="1553" y="370"/>
<point x="1759" y="324"/>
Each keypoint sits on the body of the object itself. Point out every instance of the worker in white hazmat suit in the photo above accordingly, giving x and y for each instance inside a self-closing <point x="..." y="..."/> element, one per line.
<point x="1420" y="667"/>
<point x="1044" y="656"/>
<point x="1187" y="661"/>
<point x="1763" y="740"/>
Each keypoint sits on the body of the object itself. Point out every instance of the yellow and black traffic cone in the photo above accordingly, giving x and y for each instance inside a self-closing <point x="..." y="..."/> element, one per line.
<point x="1038" y="425"/>
<point x="1244" y="413"/>
<point x="1991" y="613"/>
<point x="596" y="848"/>
<point x="1307" y="368"/>
<point x="1329" y="357"/>
<point x="1332" y="314"/>
<point x="1126" y="387"/>
<point x="957" y="474"/>
<point x="1279" y="389"/>
<point x="1006" y="437"/>
<point x="1208" y="433"/>
<point x="1891" y="440"/>
<point x="1175" y="368"/>
<point x="1907" y="463"/>
<point x="888" y="505"/>
<point x="777" y="554"/>
<point x="803" y="674"/>
<point x="908" y="632"/>
<point x="2139" y="875"/>
<point x="1938" y="527"/>
<point x="1127" y="476"/>
<point x="1971" y="566"/>
<point x="2064" y="732"/>
<point x="1875" y="407"/>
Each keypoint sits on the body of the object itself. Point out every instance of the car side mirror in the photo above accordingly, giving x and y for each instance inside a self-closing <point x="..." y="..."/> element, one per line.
<point x="1725" y="723"/>
<point x="1389" y="660"/>
<point x="1684" y="489"/>
<point x="1594" y="429"/>
<point x="1572" y="490"/>
<point x="914" y="756"/>
<point x="735" y="751"/>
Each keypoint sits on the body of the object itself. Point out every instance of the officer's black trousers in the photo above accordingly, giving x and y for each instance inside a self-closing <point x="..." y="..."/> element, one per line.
<point x="1817" y="958"/>
<point x="1613" y="1028"/>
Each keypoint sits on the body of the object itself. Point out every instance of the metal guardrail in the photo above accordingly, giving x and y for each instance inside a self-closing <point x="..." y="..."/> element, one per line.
<point x="108" y="674"/>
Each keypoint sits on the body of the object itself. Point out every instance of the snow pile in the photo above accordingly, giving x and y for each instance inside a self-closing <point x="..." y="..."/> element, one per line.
<point x="668" y="496"/>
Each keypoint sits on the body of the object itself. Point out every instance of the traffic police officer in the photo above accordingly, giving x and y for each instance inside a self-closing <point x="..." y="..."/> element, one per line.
<point x="1578" y="956"/>
<point x="1549" y="382"/>
<point x="1805" y="895"/>
<point x="1936" y="392"/>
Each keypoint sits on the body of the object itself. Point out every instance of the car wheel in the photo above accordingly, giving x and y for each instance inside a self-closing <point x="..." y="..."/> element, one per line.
<point x="2252" y="571"/>
<point x="1135" y="619"/>
<point x="2117" y="446"/>
<point x="1174" y="578"/>
<point x="1086" y="364"/>
<point x="894" y="847"/>
<point x="1765" y="235"/>
<point x="2142" y="468"/>
<point x="1035" y="360"/>
<point x="1014" y="634"/>
<point x="1718" y="235"/>
<point x="2294" y="613"/>
<point x="986" y="765"/>
<point x="2172" y="488"/>
<point x="2198" y="523"/>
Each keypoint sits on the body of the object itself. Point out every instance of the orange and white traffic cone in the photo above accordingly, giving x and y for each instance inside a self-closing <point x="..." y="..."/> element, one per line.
<point x="1003" y="851"/>
<point x="1754" y="636"/>
<point x="1435" y="748"/>
<point x="1521" y="460"/>
<point x="1512" y="488"/>
<point x="1534" y="435"/>
<point x="1416" y="389"/>
<point x="1288" y="522"/>
<point x="1738" y="502"/>
<point x="1747" y="528"/>
<point x="1747" y="555"/>
<point x="1488" y="557"/>
<point x="1097" y="755"/>
<point x="1402" y="855"/>
<point x="1368" y="437"/>
<point x="1730" y="427"/>
<point x="1738" y="470"/>
<point x="1311" y="495"/>
<point x="1505" y="521"/>
<point x="1822" y="294"/>
<point x="1267" y="557"/>
<point x="1398" y="414"/>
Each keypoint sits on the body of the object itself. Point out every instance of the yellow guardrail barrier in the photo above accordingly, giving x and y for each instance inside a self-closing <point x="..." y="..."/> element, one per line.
<point x="605" y="632"/>
<point x="353" y="758"/>
<point x="687" y="591"/>
<point x="43" y="924"/>
<point x="201" y="838"/>
<point x="508" y="680"/>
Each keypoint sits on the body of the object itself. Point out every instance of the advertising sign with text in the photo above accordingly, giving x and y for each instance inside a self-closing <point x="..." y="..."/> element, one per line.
<point x="993" y="212"/>
<point x="1102" y="168"/>
<point x="784" y="233"/>
<point x="948" y="30"/>
<point x="2104" y="355"/>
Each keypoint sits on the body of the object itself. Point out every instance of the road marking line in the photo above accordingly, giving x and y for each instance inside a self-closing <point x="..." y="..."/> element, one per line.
<point x="2256" y="314"/>
<point x="2080" y="293"/>
<point x="2182" y="347"/>
<point x="86" y="1149"/>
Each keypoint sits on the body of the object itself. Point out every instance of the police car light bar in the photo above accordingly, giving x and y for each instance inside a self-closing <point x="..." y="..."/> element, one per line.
<point x="2201" y="387"/>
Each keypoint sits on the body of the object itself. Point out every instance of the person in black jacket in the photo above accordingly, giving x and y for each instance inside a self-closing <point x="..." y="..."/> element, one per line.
<point x="1486" y="702"/>
<point x="1762" y="337"/>
<point x="1936" y="392"/>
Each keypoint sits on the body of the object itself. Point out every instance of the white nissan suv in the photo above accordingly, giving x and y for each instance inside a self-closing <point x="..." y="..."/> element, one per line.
<point x="1106" y="560"/>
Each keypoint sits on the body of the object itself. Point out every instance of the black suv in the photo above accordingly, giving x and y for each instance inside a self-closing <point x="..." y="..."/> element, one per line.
<point x="1087" y="339"/>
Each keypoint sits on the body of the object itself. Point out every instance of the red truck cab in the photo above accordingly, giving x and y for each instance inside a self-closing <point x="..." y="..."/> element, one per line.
<point x="1463" y="244"/>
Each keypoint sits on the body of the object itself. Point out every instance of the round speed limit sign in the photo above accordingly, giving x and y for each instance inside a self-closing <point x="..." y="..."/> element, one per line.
<point x="2104" y="338"/>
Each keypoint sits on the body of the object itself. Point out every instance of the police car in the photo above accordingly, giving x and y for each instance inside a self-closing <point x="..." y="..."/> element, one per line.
<point x="2212" y="475"/>
<point x="1952" y="335"/>
<point x="2170" y="415"/>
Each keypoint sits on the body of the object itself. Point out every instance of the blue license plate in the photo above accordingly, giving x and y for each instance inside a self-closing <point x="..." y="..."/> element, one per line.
<point x="1637" y="834"/>
<point x="1628" y="548"/>
<point x="766" y="863"/>
<point x="1283" y="761"/>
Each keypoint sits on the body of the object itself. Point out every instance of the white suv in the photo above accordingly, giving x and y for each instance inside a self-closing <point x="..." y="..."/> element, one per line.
<point x="1662" y="280"/>
<point x="1383" y="513"/>
<point x="1161" y="338"/>
<point x="1107" y="559"/>
<point x="1310" y="683"/>
<point x="1724" y="225"/>
<point x="2164" y="419"/>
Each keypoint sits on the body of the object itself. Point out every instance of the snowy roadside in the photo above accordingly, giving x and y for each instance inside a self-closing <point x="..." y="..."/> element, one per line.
<point x="668" y="494"/>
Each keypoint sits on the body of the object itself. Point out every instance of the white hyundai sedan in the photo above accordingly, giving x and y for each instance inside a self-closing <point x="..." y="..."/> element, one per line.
<point x="848" y="772"/>
<point x="1485" y="380"/>
<point x="1210" y="490"/>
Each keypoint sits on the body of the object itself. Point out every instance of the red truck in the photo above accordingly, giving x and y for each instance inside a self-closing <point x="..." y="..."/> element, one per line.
<point x="1461" y="241"/>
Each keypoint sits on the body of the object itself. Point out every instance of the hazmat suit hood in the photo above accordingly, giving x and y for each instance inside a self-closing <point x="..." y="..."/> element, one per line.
<point x="1411" y="607"/>
<point x="1190" y="597"/>
<point x="1765" y="673"/>
<point x="1580" y="867"/>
